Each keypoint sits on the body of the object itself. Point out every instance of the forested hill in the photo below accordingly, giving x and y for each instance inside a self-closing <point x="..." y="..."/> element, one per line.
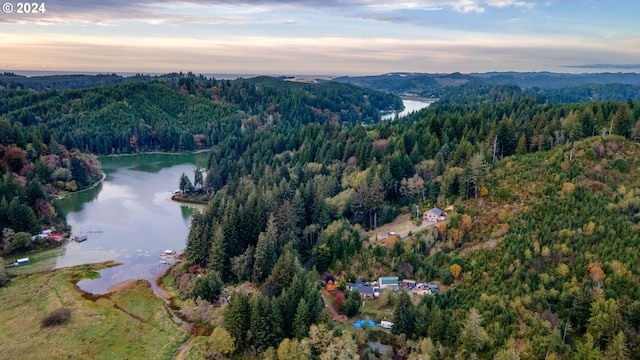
<point x="9" y="80"/>
<point x="552" y="87"/>
<point x="193" y="113"/>
<point x="538" y="253"/>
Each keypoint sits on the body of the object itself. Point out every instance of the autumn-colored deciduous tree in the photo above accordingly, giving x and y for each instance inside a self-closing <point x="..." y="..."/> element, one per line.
<point x="221" y="341"/>
<point x="293" y="349"/>
<point x="465" y="225"/>
<point x="596" y="274"/>
<point x="455" y="236"/>
<point x="568" y="187"/>
<point x="338" y="300"/>
<point x="456" y="270"/>
<point x="13" y="158"/>
<point x="442" y="229"/>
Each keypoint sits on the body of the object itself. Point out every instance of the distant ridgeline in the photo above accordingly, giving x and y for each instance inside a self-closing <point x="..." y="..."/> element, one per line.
<point x="545" y="86"/>
<point x="188" y="114"/>
<point x="9" y="80"/>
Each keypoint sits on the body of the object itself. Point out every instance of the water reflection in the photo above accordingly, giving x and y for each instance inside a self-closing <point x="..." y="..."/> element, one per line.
<point x="130" y="218"/>
<point x="76" y="201"/>
<point x="187" y="212"/>
<point x="409" y="107"/>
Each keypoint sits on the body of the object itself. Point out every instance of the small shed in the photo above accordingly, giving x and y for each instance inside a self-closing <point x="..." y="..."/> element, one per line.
<point x="23" y="261"/>
<point x="410" y="284"/>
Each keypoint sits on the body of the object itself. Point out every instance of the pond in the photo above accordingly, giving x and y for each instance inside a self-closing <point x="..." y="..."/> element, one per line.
<point x="130" y="218"/>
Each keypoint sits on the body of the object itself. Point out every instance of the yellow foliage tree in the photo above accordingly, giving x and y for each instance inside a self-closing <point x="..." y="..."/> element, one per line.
<point x="455" y="236"/>
<point x="589" y="228"/>
<point x="222" y="341"/>
<point x="596" y="273"/>
<point x="562" y="269"/>
<point x="568" y="187"/>
<point x="391" y="242"/>
<point x="442" y="229"/>
<point x="465" y="224"/>
<point x="456" y="270"/>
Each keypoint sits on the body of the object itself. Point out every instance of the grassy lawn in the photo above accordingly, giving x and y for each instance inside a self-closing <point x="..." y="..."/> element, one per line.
<point x="372" y="311"/>
<point x="128" y="323"/>
<point x="38" y="261"/>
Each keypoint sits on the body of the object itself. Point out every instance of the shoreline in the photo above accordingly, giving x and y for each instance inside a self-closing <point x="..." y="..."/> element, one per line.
<point x="157" y="152"/>
<point x="176" y="198"/>
<point x="93" y="186"/>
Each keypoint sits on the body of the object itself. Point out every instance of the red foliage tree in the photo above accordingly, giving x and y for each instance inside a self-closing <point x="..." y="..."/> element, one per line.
<point x="339" y="301"/>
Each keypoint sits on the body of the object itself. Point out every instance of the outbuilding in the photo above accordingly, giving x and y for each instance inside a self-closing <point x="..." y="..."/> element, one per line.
<point x="409" y="284"/>
<point x="388" y="282"/>
<point x="23" y="261"/>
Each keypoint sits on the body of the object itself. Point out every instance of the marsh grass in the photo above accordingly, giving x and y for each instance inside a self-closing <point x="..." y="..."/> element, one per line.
<point x="128" y="323"/>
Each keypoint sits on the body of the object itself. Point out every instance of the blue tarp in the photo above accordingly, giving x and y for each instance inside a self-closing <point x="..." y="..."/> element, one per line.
<point x="361" y="323"/>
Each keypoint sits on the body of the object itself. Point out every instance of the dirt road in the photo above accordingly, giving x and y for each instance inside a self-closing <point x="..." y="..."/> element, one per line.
<point x="402" y="226"/>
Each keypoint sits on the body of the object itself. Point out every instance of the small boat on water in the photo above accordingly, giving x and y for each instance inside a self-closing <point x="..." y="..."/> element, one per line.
<point x="80" y="237"/>
<point x="169" y="253"/>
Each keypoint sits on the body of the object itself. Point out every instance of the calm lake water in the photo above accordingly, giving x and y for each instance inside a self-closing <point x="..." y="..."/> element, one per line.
<point x="409" y="107"/>
<point x="130" y="217"/>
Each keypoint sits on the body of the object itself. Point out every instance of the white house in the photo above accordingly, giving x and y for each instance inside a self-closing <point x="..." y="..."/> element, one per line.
<point x="434" y="215"/>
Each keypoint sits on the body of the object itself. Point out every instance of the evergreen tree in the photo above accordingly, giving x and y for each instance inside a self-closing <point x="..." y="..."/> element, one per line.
<point x="301" y="321"/>
<point x="586" y="350"/>
<point x="261" y="332"/>
<point x="422" y="319"/>
<point x="197" y="177"/>
<point x="475" y="172"/>
<point x="185" y="183"/>
<point x="207" y="287"/>
<point x="242" y="265"/>
<point x="473" y="335"/>
<point x="79" y="172"/>
<point x="437" y="326"/>
<point x="622" y="121"/>
<point x="265" y="256"/>
<point x="237" y="318"/>
<point x="275" y="321"/>
<point x="521" y="148"/>
<point x="353" y="303"/>
<point x="218" y="257"/>
<point x="4" y="279"/>
<point x="617" y="349"/>
<point x="403" y="321"/>
<point x="198" y="246"/>
<point x="284" y="270"/>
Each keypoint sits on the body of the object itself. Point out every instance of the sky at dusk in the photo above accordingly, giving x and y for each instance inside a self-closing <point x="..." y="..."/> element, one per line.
<point x="323" y="37"/>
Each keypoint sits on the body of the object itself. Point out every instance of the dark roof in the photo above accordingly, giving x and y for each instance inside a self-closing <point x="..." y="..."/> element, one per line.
<point x="365" y="290"/>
